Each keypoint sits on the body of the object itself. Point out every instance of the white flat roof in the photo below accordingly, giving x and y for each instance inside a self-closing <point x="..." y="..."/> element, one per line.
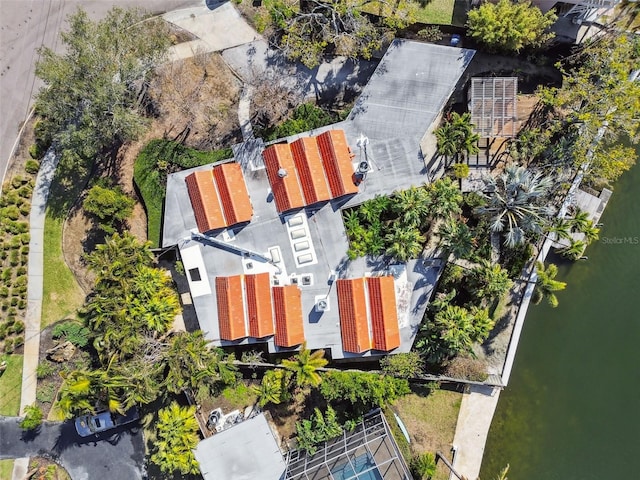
<point x="195" y="271"/>
<point x="247" y="451"/>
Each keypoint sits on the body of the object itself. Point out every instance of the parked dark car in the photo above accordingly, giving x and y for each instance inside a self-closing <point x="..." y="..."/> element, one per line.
<point x="94" y="424"/>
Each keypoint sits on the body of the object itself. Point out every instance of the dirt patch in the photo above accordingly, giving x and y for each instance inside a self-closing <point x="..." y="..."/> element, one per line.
<point x="41" y="468"/>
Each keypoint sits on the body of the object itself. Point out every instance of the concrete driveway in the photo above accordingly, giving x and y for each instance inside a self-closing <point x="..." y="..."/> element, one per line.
<point x="26" y="25"/>
<point x="119" y="455"/>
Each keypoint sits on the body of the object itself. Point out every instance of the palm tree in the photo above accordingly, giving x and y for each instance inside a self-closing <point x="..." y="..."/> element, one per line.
<point x="456" y="136"/>
<point x="562" y="228"/>
<point x="516" y="203"/>
<point x="575" y="249"/>
<point x="446" y="198"/>
<point x="490" y="280"/>
<point x="186" y="358"/>
<point x="457" y="238"/>
<point x="591" y="232"/>
<point x="580" y="220"/>
<point x="177" y="438"/>
<point x="305" y="366"/>
<point x="404" y="243"/>
<point x="546" y="284"/>
<point x="271" y="388"/>
<point x="412" y="206"/>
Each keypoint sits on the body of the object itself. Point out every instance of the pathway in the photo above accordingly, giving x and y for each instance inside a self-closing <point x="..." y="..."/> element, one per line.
<point x="476" y="412"/>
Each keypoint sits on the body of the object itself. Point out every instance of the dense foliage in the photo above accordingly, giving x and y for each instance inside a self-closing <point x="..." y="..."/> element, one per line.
<point x="109" y="205"/>
<point x="457" y="138"/>
<point x="32" y="418"/>
<point x="91" y="95"/>
<point x="510" y="26"/>
<point x="306" y="30"/>
<point x="177" y="438"/>
<point x="320" y="428"/>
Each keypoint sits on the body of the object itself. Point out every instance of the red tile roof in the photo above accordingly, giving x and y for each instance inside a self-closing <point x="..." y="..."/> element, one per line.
<point x="287" y="303"/>
<point x="230" y="308"/>
<point x="336" y="158"/>
<point x="286" y="190"/>
<point x="233" y="193"/>
<point x="259" y="305"/>
<point x="384" y="313"/>
<point x="352" y="306"/>
<point x="205" y="201"/>
<point x="306" y="156"/>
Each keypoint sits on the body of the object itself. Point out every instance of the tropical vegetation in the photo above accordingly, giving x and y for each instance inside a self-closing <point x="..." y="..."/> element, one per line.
<point x="177" y="438"/>
<point x="510" y="26"/>
<point x="457" y="139"/>
<point x="546" y="284"/>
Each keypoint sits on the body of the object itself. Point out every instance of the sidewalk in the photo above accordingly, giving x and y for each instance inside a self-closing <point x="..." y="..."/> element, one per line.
<point x="472" y="429"/>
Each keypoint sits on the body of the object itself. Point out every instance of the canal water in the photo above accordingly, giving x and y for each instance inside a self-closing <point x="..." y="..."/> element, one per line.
<point x="572" y="407"/>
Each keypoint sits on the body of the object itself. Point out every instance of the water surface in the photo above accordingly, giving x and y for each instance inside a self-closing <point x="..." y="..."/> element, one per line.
<point x="572" y="408"/>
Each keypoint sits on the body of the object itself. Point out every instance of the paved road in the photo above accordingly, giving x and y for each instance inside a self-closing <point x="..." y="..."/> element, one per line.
<point x="25" y="25"/>
<point x="118" y="456"/>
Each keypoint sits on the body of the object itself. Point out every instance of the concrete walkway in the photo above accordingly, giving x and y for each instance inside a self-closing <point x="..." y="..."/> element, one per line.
<point x="474" y="419"/>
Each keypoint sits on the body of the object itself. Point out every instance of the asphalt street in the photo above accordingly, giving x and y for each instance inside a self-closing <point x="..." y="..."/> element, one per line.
<point x="25" y="26"/>
<point x="115" y="455"/>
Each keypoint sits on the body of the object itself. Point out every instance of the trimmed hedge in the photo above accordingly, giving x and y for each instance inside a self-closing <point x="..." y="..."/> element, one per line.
<point x="157" y="159"/>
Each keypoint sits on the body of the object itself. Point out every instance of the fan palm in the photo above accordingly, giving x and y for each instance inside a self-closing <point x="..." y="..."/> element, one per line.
<point x="546" y="285"/>
<point x="412" y="205"/>
<point x="404" y="243"/>
<point x="516" y="203"/>
<point x="305" y="366"/>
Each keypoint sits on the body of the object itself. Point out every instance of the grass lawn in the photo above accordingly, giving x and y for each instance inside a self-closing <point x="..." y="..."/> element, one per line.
<point x="11" y="385"/>
<point x="6" y="469"/>
<point x="436" y="11"/>
<point x="430" y="417"/>
<point x="62" y="295"/>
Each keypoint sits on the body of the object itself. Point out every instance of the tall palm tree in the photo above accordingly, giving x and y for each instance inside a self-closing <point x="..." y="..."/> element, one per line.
<point x="580" y="220"/>
<point x="547" y="285"/>
<point x="591" y="232"/>
<point x="516" y="203"/>
<point x="404" y="243"/>
<point x="272" y="388"/>
<point x="456" y="237"/>
<point x="575" y="249"/>
<point x="188" y="355"/>
<point x="305" y="366"/>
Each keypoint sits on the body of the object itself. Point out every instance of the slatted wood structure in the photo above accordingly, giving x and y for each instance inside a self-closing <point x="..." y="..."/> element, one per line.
<point x="317" y="169"/>
<point x="204" y="200"/>
<point x="336" y="158"/>
<point x="287" y="306"/>
<point x="259" y="305"/>
<point x="384" y="314"/>
<point x="231" y="319"/>
<point x="352" y="306"/>
<point x="306" y="156"/>
<point x="281" y="171"/>
<point x="493" y="106"/>
<point x="219" y="197"/>
<point x="368" y="314"/>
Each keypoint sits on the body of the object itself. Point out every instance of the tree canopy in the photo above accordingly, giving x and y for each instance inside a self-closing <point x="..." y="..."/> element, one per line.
<point x="341" y="26"/>
<point x="91" y="94"/>
<point x="508" y="26"/>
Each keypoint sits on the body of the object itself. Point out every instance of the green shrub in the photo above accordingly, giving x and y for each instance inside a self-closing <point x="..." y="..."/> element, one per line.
<point x="3" y="331"/>
<point x="404" y="365"/>
<point x="45" y="369"/>
<point x="8" y="346"/>
<point x="25" y="191"/>
<point x="423" y="466"/>
<point x="22" y="304"/>
<point x="430" y="34"/>
<point x="18" y="341"/>
<point x="11" y="212"/>
<point x="21" y="280"/>
<point x="18" y="327"/>
<point x="305" y="117"/>
<point x="110" y="206"/>
<point x="14" y="301"/>
<point x="5" y="304"/>
<point x="74" y="332"/>
<point x="21" y="271"/>
<point x="4" y="292"/>
<point x="32" y="418"/>
<point x="32" y="166"/>
<point x="45" y="392"/>
<point x="25" y="209"/>
<point x="18" y="181"/>
<point x="3" y="254"/>
<point x="318" y="429"/>
<point x="25" y="238"/>
<point x="24" y="250"/>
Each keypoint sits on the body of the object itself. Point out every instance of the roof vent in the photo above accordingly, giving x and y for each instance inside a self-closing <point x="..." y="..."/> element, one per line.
<point x="363" y="167"/>
<point x="322" y="304"/>
<point x="282" y="173"/>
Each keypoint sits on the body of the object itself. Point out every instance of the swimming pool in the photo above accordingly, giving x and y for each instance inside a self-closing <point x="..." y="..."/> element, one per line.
<point x="364" y="468"/>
